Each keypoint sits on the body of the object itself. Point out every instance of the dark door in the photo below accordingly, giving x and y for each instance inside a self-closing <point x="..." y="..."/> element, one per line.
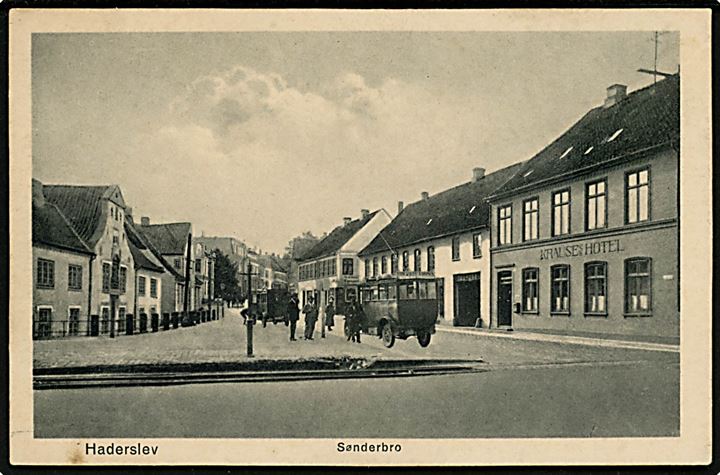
<point x="441" y="297"/>
<point x="467" y="299"/>
<point x="504" y="303"/>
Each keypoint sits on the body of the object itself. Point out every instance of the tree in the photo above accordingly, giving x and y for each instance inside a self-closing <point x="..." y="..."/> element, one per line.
<point x="226" y="278"/>
<point x="295" y="249"/>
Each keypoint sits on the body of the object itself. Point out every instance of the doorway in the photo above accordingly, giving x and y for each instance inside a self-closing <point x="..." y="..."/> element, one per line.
<point x="466" y="299"/>
<point x="504" y="299"/>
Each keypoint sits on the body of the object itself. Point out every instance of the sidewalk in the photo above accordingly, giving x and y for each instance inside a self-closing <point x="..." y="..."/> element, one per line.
<point x="573" y="338"/>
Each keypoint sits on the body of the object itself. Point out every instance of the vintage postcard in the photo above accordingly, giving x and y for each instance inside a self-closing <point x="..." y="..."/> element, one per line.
<point x="330" y="237"/>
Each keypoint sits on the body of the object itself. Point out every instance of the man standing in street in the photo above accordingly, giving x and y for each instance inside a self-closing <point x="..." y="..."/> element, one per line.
<point x="330" y="314"/>
<point x="293" y="315"/>
<point x="311" y="315"/>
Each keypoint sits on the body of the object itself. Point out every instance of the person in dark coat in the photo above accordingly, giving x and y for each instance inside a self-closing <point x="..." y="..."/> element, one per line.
<point x="353" y="322"/>
<point x="311" y="316"/>
<point x="330" y="314"/>
<point x="293" y="315"/>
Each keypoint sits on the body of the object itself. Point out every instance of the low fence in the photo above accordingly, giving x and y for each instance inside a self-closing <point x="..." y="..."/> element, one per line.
<point x="96" y="326"/>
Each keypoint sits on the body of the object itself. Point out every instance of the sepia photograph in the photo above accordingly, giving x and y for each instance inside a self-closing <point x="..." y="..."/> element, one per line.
<point x="367" y="233"/>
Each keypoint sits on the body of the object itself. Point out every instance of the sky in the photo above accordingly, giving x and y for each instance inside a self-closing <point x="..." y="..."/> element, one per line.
<point x="265" y="135"/>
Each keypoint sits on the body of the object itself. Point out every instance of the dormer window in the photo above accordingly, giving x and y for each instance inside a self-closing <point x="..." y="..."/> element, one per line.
<point x="615" y="135"/>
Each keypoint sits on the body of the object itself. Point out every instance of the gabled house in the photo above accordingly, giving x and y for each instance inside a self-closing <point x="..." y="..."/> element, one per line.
<point x="62" y="264"/>
<point x="330" y="268"/>
<point x="446" y="235"/>
<point x="150" y="274"/>
<point x="97" y="215"/>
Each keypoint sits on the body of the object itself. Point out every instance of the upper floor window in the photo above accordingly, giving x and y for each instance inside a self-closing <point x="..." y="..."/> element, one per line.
<point x="431" y="258"/>
<point x="561" y="213"/>
<point x="198" y="265"/>
<point x="596" y="288"/>
<point x="45" y="273"/>
<point x="383" y="265"/>
<point x="417" y="260"/>
<point x="405" y="263"/>
<point x="347" y="266"/>
<point x="455" y="248"/>
<point x="153" y="288"/>
<point x="595" y="205"/>
<point x="375" y="266"/>
<point x="638" y="285"/>
<point x="74" y="277"/>
<point x="367" y="268"/>
<point x="637" y="196"/>
<point x="123" y="279"/>
<point x="177" y="263"/>
<point x="116" y="237"/>
<point x="530" y="219"/>
<point x="477" y="245"/>
<point x="530" y="290"/>
<point x="505" y="225"/>
<point x="141" y="286"/>
<point x="393" y="263"/>
<point x="106" y="272"/>
<point x="560" y="289"/>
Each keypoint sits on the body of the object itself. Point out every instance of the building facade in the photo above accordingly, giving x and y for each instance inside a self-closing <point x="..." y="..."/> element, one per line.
<point x="331" y="267"/>
<point x="445" y="235"/>
<point x="233" y="248"/>
<point x="586" y="234"/>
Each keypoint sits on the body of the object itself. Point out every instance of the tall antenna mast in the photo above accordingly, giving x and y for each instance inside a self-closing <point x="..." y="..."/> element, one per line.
<point x="655" y="63"/>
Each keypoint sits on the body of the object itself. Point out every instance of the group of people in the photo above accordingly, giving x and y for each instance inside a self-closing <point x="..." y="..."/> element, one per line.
<point x="354" y="318"/>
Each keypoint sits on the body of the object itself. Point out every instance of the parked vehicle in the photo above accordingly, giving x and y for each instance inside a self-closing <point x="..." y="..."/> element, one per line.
<point x="272" y="305"/>
<point x="400" y="307"/>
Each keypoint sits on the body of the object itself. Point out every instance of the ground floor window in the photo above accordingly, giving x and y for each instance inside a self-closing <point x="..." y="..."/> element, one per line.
<point x="122" y="315"/>
<point x="596" y="288"/>
<point x="638" y="284"/>
<point x="73" y="321"/>
<point x="43" y="326"/>
<point x="530" y="290"/>
<point x="105" y="320"/>
<point x="560" y="289"/>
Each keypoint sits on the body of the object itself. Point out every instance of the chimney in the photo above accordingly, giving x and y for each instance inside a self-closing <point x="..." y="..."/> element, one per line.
<point x="424" y="195"/>
<point x="145" y="221"/>
<point x="38" y="197"/>
<point x="615" y="94"/>
<point x="364" y="213"/>
<point x="478" y="173"/>
<point x="346" y="220"/>
<point x="401" y="205"/>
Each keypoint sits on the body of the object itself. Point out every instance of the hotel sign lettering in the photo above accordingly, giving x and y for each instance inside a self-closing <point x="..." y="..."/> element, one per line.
<point x="585" y="249"/>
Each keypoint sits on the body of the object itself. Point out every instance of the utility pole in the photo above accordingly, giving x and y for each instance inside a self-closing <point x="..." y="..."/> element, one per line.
<point x="250" y="320"/>
<point x="186" y="297"/>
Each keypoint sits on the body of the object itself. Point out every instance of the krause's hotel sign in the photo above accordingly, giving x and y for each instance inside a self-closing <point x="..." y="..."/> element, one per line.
<point x="585" y="249"/>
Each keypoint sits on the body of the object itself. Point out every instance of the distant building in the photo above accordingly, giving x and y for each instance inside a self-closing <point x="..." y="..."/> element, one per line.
<point x="62" y="263"/>
<point x="274" y="274"/>
<point x="233" y="248"/>
<point x="150" y="274"/>
<point x="586" y="234"/>
<point x="446" y="235"/>
<point x="97" y="215"/>
<point x="330" y="268"/>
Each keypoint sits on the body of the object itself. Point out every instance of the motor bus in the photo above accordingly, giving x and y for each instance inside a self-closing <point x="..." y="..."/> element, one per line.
<point x="272" y="305"/>
<point x="400" y="307"/>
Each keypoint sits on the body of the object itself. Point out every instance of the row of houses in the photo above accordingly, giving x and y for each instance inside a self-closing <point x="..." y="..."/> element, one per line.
<point x="93" y="265"/>
<point x="583" y="236"/>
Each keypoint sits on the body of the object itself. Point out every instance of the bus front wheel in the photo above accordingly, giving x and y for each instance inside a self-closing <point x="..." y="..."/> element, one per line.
<point x="388" y="337"/>
<point x="423" y="338"/>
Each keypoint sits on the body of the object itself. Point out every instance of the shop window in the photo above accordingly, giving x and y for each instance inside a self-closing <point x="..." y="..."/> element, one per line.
<point x="477" y="245"/>
<point x="596" y="288"/>
<point x="347" y="266"/>
<point x="141" y="286"/>
<point x="638" y="285"/>
<point x="560" y="289"/>
<point x="45" y="273"/>
<point x="596" y="205"/>
<point x="74" y="277"/>
<point x="455" y="244"/>
<point x="530" y="290"/>
<point x="405" y="263"/>
<point x="561" y="213"/>
<point x="530" y="219"/>
<point x="505" y="225"/>
<point x="393" y="263"/>
<point x="431" y="258"/>
<point x="637" y="196"/>
<point x="417" y="260"/>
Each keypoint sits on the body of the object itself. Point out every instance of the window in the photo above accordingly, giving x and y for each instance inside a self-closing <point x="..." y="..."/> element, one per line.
<point x="375" y="266"/>
<point x="367" y="268"/>
<point x="347" y="266"/>
<point x="393" y="263"/>
<point x="595" y="206"/>
<point x="74" y="277"/>
<point x="198" y="265"/>
<point x="530" y="290"/>
<point x="123" y="279"/>
<point x="105" y="320"/>
<point x="44" y="322"/>
<point x="122" y="316"/>
<point x="407" y="291"/>
<point x="422" y="290"/>
<point x="383" y="265"/>
<point x="153" y="288"/>
<point x="432" y="290"/>
<point x="455" y="245"/>
<point x="106" y="277"/>
<point x="45" y="274"/>
<point x="637" y="196"/>
<point x="596" y="288"/>
<point x="477" y="245"/>
<point x="116" y="237"/>
<point x="638" y="285"/>
<point x="561" y="213"/>
<point x="73" y="321"/>
<point x="382" y="292"/>
<point x="417" y="260"/>
<point x="505" y="225"/>
<point x="141" y="286"/>
<point x="177" y="263"/>
<point x="333" y="267"/>
<point x="431" y="258"/>
<point x="530" y="219"/>
<point x="405" y="263"/>
<point x="560" y="289"/>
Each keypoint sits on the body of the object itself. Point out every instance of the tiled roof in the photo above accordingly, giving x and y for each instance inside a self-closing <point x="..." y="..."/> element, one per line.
<point x="81" y="205"/>
<point x="51" y="228"/>
<point x="646" y="118"/>
<point x="142" y="253"/>
<point x="452" y="211"/>
<point x="332" y="243"/>
<point x="168" y="239"/>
